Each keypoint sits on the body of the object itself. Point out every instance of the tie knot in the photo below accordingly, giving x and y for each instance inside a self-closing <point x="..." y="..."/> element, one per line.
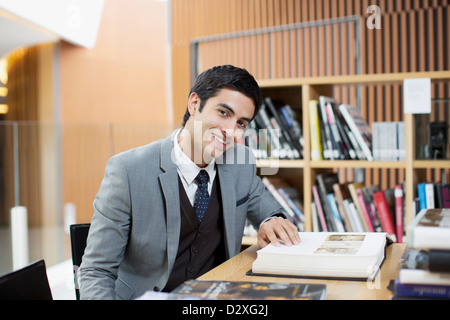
<point x="202" y="177"/>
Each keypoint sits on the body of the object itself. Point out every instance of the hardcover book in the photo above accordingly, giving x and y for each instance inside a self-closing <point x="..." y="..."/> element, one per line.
<point x="346" y="256"/>
<point x="430" y="229"/>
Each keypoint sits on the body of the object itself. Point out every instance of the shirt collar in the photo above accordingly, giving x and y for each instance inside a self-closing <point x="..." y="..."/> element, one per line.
<point x="188" y="169"/>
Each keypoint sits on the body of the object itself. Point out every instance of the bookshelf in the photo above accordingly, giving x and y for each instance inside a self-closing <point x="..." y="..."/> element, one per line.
<point x="299" y="91"/>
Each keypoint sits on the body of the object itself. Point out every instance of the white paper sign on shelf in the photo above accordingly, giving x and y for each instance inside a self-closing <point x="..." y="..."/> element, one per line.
<point x="417" y="95"/>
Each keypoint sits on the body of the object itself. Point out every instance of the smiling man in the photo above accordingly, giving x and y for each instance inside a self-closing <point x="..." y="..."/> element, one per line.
<point x="176" y="208"/>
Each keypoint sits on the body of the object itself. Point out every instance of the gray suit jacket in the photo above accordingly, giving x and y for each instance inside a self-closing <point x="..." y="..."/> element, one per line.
<point x="134" y="234"/>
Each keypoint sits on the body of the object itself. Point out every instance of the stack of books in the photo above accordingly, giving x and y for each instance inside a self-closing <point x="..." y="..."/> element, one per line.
<point x="425" y="269"/>
<point x="338" y="132"/>
<point x="353" y="207"/>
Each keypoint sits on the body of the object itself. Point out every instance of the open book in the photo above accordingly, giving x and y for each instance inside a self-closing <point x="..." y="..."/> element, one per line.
<point x="349" y="256"/>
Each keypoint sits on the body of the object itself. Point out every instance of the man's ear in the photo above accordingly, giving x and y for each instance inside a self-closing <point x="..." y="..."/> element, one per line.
<point x="193" y="103"/>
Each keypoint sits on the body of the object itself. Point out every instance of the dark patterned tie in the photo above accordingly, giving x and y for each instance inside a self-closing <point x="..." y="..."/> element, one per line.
<point x="201" y="196"/>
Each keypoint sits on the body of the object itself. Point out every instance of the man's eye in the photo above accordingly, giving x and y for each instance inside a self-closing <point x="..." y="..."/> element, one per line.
<point x="243" y="124"/>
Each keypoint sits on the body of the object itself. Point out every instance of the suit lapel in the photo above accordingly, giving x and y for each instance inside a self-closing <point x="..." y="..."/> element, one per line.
<point x="228" y="205"/>
<point x="170" y="191"/>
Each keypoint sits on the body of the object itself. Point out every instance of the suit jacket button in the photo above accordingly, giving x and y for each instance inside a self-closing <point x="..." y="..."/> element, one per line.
<point x="156" y="288"/>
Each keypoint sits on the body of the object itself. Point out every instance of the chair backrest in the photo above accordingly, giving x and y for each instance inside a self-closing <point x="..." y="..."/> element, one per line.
<point x="28" y="283"/>
<point x="78" y="237"/>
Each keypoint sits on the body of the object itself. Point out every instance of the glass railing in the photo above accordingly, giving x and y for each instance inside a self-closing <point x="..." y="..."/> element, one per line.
<point x="50" y="173"/>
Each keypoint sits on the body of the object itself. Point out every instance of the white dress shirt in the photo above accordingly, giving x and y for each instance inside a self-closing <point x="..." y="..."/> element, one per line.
<point x="188" y="170"/>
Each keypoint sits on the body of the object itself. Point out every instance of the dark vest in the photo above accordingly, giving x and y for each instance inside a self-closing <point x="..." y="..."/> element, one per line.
<point x="201" y="245"/>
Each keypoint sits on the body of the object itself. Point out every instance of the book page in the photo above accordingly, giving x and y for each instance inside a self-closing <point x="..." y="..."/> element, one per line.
<point x="341" y="244"/>
<point x="324" y="243"/>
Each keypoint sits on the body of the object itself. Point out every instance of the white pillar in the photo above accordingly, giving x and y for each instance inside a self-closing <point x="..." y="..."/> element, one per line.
<point x="19" y="235"/>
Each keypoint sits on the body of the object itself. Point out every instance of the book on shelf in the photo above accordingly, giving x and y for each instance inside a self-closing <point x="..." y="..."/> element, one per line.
<point x="399" y="210"/>
<point x="430" y="229"/>
<point x="433" y="195"/>
<point x="315" y="136"/>
<point x="349" y="256"/>
<point x="325" y="187"/>
<point x="352" y="187"/>
<point x="329" y="122"/>
<point x="321" y="223"/>
<point x="338" y="132"/>
<point x="388" y="141"/>
<point x="385" y="214"/>
<point x="276" y="132"/>
<point x="353" y="207"/>
<point x="288" y="197"/>
<point x="359" y="128"/>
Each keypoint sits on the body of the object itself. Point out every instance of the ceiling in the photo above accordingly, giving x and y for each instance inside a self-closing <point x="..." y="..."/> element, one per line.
<point x="25" y="23"/>
<point x="16" y="33"/>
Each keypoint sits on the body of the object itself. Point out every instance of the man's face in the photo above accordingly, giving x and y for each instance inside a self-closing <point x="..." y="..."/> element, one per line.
<point x="219" y="125"/>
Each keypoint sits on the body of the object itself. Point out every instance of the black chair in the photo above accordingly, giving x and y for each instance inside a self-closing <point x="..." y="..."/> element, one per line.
<point x="78" y="237"/>
<point x="28" y="283"/>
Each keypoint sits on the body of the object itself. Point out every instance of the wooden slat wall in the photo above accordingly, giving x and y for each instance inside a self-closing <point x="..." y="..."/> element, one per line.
<point x="414" y="36"/>
<point x="23" y="104"/>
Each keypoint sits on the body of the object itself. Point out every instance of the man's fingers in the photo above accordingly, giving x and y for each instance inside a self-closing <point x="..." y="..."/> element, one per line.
<point x="278" y="229"/>
<point x="268" y="236"/>
<point x="287" y="231"/>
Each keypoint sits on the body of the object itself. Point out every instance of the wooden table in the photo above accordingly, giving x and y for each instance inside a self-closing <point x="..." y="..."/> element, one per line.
<point x="236" y="268"/>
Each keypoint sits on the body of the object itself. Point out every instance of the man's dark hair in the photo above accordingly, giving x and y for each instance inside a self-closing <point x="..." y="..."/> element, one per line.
<point x="210" y="82"/>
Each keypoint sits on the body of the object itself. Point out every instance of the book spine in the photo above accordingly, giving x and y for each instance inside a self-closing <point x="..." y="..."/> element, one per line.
<point x="429" y="194"/>
<point x="314" y="218"/>
<point x="359" y="225"/>
<point x="376" y="141"/>
<point x="323" y="192"/>
<point x="401" y="141"/>
<point x="316" y="145"/>
<point x="340" y="200"/>
<point x="419" y="276"/>
<point x="319" y="208"/>
<point x="422" y="290"/>
<point x="446" y="196"/>
<point x="352" y="189"/>
<point x="335" y="213"/>
<point x="291" y="204"/>
<point x="293" y="128"/>
<point x="439" y="201"/>
<point x="351" y="123"/>
<point x="326" y="131"/>
<point x="384" y="213"/>
<point x="422" y="196"/>
<point x="346" y="141"/>
<point x="364" y="209"/>
<point x="277" y="196"/>
<point x="399" y="212"/>
<point x="339" y="145"/>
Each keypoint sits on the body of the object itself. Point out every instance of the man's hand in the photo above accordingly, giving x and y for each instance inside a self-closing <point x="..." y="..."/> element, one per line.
<point x="276" y="229"/>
